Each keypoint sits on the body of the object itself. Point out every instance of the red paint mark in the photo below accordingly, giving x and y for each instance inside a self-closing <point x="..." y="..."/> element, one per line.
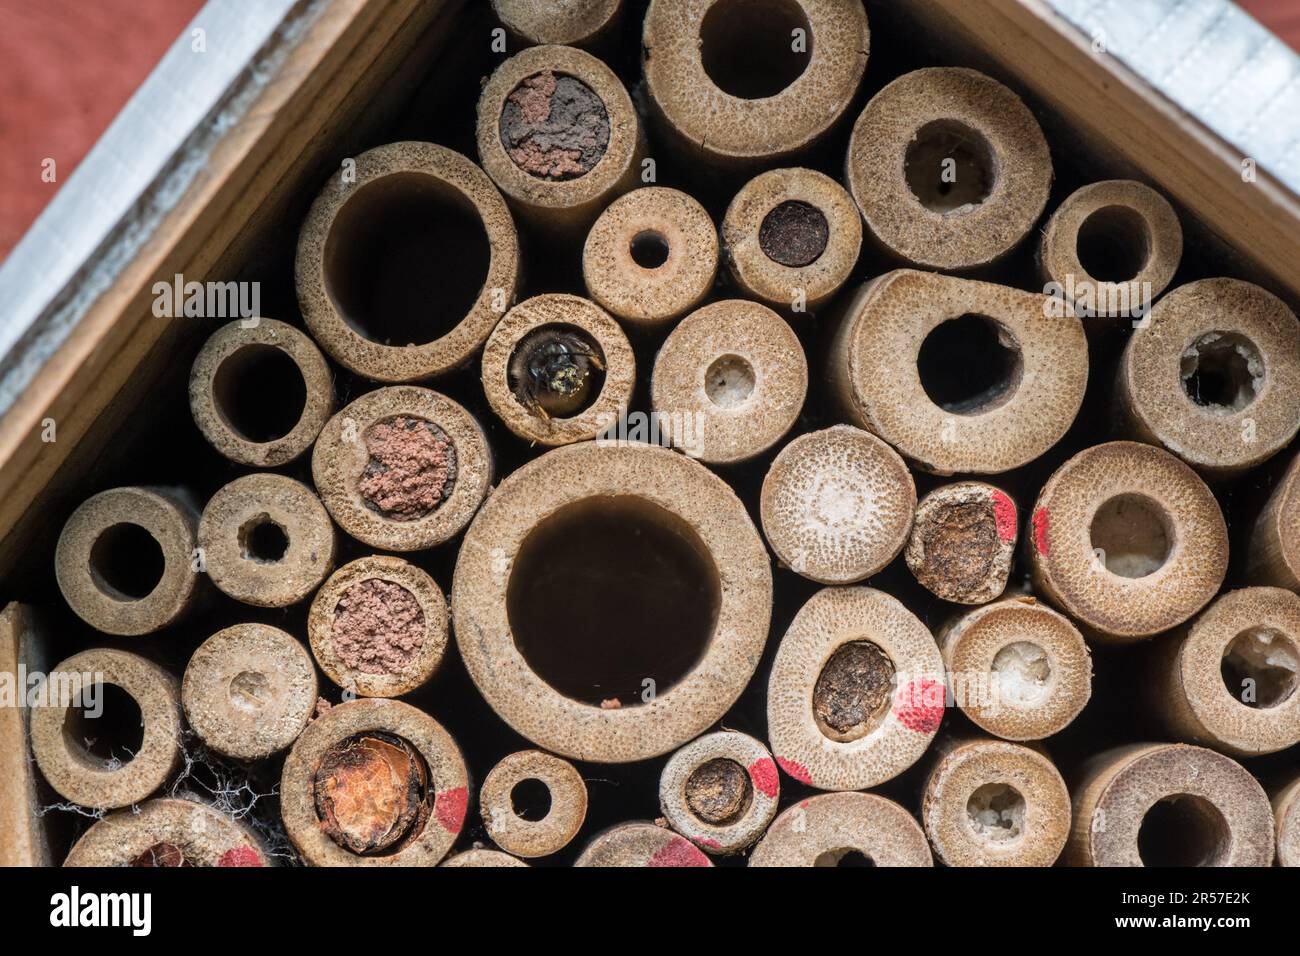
<point x="240" y="856"/>
<point x="450" y="806"/>
<point x="763" y="772"/>
<point x="795" y="769"/>
<point x="1004" y="515"/>
<point x="711" y="843"/>
<point x="678" y="852"/>
<point x="919" y="706"/>
<point x="1040" y="531"/>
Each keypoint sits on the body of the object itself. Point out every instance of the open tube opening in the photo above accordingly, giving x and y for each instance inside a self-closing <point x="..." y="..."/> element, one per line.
<point x="753" y="49"/>
<point x="127" y="562"/>
<point x="259" y="392"/>
<point x="969" y="365"/>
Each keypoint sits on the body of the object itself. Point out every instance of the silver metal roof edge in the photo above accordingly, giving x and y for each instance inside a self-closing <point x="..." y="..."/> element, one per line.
<point x="136" y="174"/>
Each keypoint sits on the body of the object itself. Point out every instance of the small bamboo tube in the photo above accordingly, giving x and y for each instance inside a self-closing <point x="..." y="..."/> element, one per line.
<point x="1128" y="541"/>
<point x="406" y="261"/>
<point x="1169" y="804"/>
<point x="1273" y="556"/>
<point x="729" y="382"/>
<point x="558" y="134"/>
<point x="242" y="384"/>
<point x="1286" y="814"/>
<point x="402" y="468"/>
<point x="641" y="845"/>
<point x="843" y="829"/>
<point x="535" y="22"/>
<point x="736" y="85"/>
<point x="266" y="540"/>
<point x="374" y="782"/>
<point x="837" y="505"/>
<point x="168" y="832"/>
<point x="651" y="257"/>
<point x="521" y="833"/>
<point x="963" y="541"/>
<point x="379" y="627"/>
<point x="1017" y="669"/>
<point x="125" y="560"/>
<point x="249" y="690"/>
<point x="1213" y="376"/>
<point x="558" y="370"/>
<point x="992" y="803"/>
<point x="949" y="167"/>
<point x="1132" y="241"/>
<point x="720" y="791"/>
<point x="97" y="776"/>
<point x="856" y="692"/>
<point x="1228" y="680"/>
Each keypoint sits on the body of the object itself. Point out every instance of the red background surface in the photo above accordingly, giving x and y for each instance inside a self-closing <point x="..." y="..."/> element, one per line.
<point x="68" y="66"/>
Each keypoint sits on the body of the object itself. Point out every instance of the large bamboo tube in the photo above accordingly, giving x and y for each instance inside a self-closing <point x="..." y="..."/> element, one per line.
<point x="589" y="605"/>
<point x="406" y="261"/>
<point x="958" y="375"/>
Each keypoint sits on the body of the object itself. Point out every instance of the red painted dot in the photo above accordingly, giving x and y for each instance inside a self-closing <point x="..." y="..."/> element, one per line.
<point x="795" y="769"/>
<point x="1040" y="530"/>
<point x="450" y="806"/>
<point x="763" y="772"/>
<point x="919" y="706"/>
<point x="711" y="843"/>
<point x="678" y="852"/>
<point x="1004" y="516"/>
<point x="240" y="856"/>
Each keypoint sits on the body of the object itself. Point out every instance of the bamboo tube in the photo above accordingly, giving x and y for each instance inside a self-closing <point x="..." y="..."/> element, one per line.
<point x="958" y="375"/>
<point x="1228" y="680"/>
<point x="963" y="541"/>
<point x="94" y="760"/>
<point x="627" y="548"/>
<point x="374" y="782"/>
<point x="402" y="468"/>
<point x="641" y="844"/>
<point x="266" y="540"/>
<point x="1169" y="805"/>
<point x="729" y="382"/>
<point x="1214" y="376"/>
<point x="125" y="560"/>
<point x="406" y="262"/>
<point x="481" y="858"/>
<point x="949" y="167"/>
<point x="651" y="257"/>
<point x="737" y="84"/>
<point x="249" y="690"/>
<point x="1286" y="814"/>
<point x="378" y="628"/>
<point x="534" y="22"/>
<point x="992" y="803"/>
<point x="843" y="829"/>
<point x="168" y="832"/>
<point x="856" y="692"/>
<point x="1273" y="556"/>
<point x="559" y="136"/>
<point x="1128" y="541"/>
<point x="720" y="791"/>
<point x="1111" y="248"/>
<point x="558" y="370"/>
<point x="837" y="505"/>
<point x="260" y="391"/>
<point x="791" y="237"/>
<point x="22" y="650"/>
<point x="1017" y="669"/>
<point x="525" y="830"/>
